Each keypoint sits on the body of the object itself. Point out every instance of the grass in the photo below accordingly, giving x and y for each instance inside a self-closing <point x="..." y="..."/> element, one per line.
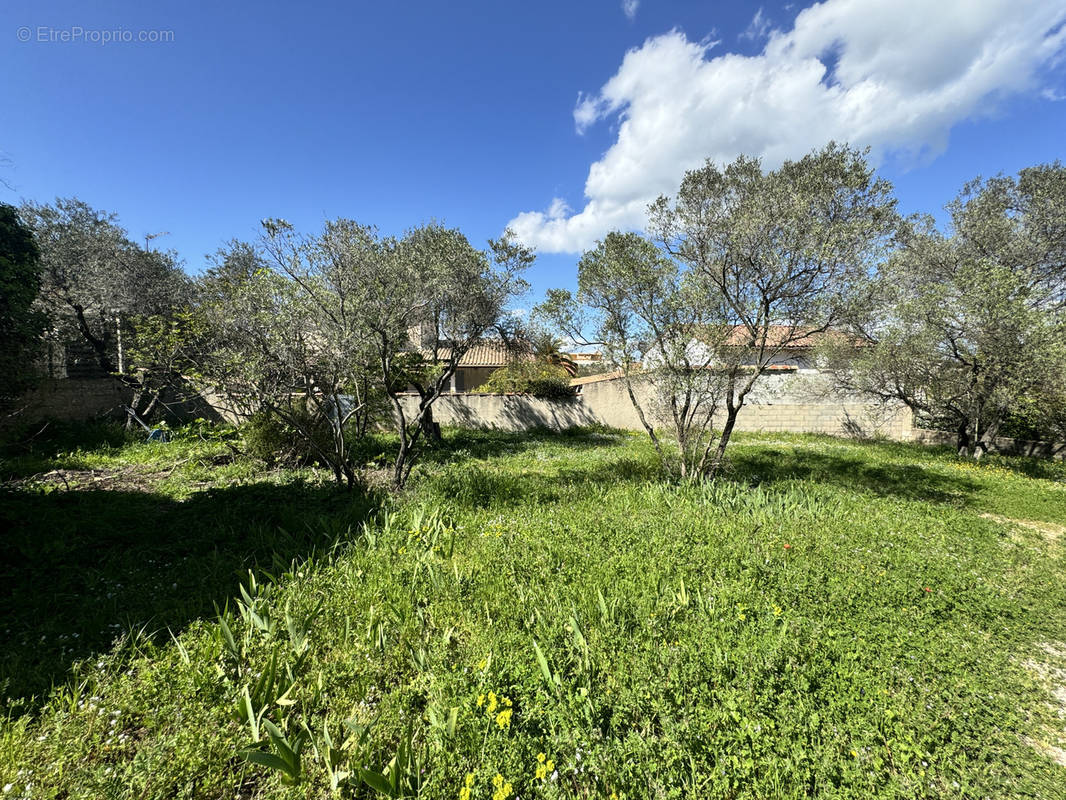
<point x="538" y="616"/>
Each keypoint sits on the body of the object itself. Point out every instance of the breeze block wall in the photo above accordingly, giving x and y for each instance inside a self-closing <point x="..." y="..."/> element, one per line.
<point x="75" y="399"/>
<point x="788" y="402"/>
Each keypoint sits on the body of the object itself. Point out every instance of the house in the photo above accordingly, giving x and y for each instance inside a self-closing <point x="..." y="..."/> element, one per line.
<point x="797" y="353"/>
<point x="480" y="361"/>
<point x="475" y="366"/>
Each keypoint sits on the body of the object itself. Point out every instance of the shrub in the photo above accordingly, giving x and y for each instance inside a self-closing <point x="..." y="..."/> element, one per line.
<point x="277" y="442"/>
<point x="534" y="378"/>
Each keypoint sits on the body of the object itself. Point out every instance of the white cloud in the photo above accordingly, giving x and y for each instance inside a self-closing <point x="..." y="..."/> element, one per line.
<point x="892" y="74"/>
<point x="629" y="8"/>
<point x="759" y="27"/>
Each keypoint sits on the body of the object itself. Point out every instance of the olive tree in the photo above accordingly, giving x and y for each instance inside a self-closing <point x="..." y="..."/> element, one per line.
<point x="968" y="327"/>
<point x="95" y="280"/>
<point x="637" y="305"/>
<point x="93" y="275"/>
<point x="315" y="329"/>
<point x="423" y="302"/>
<point x="750" y="263"/>
<point x="780" y="256"/>
<point x="278" y="339"/>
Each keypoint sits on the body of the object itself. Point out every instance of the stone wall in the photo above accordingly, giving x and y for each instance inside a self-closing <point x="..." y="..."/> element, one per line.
<point x="77" y="399"/>
<point x="74" y="399"/>
<point x="788" y="402"/>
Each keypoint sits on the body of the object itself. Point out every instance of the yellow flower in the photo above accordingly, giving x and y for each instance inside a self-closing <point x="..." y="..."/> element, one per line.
<point x="503" y="719"/>
<point x="469" y="780"/>
<point x="483" y="664"/>
<point x="492" y="702"/>
<point x="498" y="780"/>
<point x="480" y="700"/>
<point x="777" y="611"/>
<point x="541" y="757"/>
<point x="542" y="772"/>
<point x="854" y="754"/>
<point x="550" y="766"/>
<point x="464" y="793"/>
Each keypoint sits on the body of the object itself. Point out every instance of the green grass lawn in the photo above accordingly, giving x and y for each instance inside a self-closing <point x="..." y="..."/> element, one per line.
<point x="537" y="616"/>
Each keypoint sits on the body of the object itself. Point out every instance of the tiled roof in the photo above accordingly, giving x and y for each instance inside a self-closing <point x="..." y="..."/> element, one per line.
<point x="487" y="353"/>
<point x="777" y="334"/>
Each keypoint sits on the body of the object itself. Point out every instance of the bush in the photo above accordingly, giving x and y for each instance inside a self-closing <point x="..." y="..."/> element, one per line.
<point x="534" y="378"/>
<point x="278" y="443"/>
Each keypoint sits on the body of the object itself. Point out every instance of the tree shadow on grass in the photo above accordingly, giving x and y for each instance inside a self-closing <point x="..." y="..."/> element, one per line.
<point x="908" y="481"/>
<point x="460" y="444"/>
<point x="79" y="568"/>
<point x="481" y="486"/>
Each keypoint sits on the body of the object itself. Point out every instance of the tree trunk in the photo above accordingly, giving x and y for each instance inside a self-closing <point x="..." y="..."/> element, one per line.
<point x="963" y="439"/>
<point x="727" y="431"/>
<point x="99" y="345"/>
<point x="430" y="429"/>
<point x="643" y="421"/>
<point x="986" y="441"/>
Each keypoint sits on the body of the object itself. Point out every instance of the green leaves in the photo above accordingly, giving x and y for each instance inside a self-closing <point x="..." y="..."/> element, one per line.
<point x="286" y="755"/>
<point x="763" y="636"/>
<point x="402" y="776"/>
<point x="550" y="680"/>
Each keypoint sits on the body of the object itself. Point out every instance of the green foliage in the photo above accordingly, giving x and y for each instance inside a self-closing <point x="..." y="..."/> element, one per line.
<point x="968" y="326"/>
<point x="275" y="442"/>
<point x="541" y="616"/>
<point x="94" y="275"/>
<point x="21" y="325"/>
<point x="327" y="322"/>
<point x="743" y="264"/>
<point x="536" y="378"/>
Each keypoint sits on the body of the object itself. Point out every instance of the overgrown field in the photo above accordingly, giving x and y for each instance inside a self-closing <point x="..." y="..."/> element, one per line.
<point x="538" y="616"/>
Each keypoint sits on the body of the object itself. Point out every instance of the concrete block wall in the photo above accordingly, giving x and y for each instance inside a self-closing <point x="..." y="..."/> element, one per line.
<point x="785" y="403"/>
<point x="74" y="399"/>
<point x="508" y="412"/>
<point x="78" y="399"/>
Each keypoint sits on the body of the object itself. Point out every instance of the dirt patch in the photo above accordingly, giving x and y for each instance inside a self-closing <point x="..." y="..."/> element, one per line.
<point x="128" y="479"/>
<point x="1049" y="530"/>
<point x="1049" y="668"/>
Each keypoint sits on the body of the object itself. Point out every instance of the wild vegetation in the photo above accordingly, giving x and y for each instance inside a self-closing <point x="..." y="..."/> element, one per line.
<point x="535" y="616"/>
<point x="594" y="614"/>
<point x="967" y="327"/>
<point x="322" y="332"/>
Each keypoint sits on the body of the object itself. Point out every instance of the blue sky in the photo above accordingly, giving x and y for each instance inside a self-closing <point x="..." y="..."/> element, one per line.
<point x="563" y="119"/>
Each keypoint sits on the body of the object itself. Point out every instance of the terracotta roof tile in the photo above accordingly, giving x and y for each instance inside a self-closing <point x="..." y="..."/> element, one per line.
<point x="485" y="354"/>
<point x="738" y="337"/>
